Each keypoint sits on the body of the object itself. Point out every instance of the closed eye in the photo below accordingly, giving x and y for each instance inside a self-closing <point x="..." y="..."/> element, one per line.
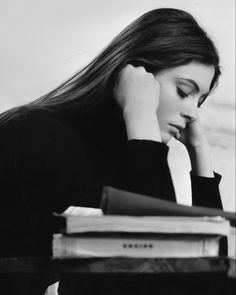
<point x="202" y="99"/>
<point x="181" y="93"/>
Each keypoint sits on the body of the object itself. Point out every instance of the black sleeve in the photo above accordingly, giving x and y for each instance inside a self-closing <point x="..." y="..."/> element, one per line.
<point x="54" y="167"/>
<point x="147" y="171"/>
<point x="205" y="191"/>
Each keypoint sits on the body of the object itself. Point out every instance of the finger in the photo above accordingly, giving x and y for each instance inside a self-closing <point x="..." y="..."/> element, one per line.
<point x="177" y="136"/>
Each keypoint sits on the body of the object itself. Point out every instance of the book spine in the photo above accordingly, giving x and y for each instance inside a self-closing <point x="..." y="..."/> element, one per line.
<point x="78" y="247"/>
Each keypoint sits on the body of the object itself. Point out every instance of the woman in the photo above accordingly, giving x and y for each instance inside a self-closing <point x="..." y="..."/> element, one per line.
<point x="109" y="125"/>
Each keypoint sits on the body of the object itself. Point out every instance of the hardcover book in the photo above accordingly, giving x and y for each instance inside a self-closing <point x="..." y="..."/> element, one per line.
<point x="119" y="202"/>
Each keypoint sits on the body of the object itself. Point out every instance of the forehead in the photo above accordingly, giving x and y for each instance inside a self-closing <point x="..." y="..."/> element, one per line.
<point x="200" y="73"/>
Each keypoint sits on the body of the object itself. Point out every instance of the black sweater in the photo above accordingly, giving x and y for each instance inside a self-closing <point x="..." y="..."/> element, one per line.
<point x="49" y="163"/>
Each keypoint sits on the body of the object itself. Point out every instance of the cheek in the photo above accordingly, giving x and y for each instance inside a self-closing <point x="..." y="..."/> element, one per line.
<point x="168" y="104"/>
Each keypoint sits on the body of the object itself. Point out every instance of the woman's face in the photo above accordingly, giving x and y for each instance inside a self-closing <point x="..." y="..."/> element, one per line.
<point x="181" y="90"/>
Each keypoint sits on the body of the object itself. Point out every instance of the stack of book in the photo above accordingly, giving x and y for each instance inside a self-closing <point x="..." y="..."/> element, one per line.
<point x="140" y="236"/>
<point x="134" y="225"/>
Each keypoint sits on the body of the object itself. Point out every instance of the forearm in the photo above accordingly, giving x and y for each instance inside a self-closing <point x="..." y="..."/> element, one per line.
<point x="142" y="125"/>
<point x="201" y="161"/>
<point x="204" y="182"/>
<point x="146" y="169"/>
<point x="205" y="191"/>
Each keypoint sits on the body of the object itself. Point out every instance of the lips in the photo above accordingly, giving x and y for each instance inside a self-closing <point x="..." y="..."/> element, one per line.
<point x="178" y="128"/>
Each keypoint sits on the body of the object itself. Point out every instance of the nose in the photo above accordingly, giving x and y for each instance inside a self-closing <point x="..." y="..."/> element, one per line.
<point x="189" y="111"/>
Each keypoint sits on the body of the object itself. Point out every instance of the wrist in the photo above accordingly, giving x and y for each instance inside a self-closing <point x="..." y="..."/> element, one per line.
<point x="200" y="145"/>
<point x="142" y="124"/>
<point x="131" y="112"/>
<point x="201" y="161"/>
<point x="199" y="150"/>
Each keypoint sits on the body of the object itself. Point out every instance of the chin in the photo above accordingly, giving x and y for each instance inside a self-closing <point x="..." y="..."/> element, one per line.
<point x="166" y="137"/>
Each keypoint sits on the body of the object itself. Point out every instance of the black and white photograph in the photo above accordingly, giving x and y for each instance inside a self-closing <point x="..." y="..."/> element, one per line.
<point x="117" y="147"/>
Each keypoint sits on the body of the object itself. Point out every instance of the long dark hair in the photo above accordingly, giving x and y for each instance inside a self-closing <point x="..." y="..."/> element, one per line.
<point x="159" y="39"/>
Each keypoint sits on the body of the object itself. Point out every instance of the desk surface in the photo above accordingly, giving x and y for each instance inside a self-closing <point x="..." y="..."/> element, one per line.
<point x="220" y="265"/>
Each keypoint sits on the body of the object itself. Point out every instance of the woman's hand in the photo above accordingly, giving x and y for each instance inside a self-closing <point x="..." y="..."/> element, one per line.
<point x="193" y="136"/>
<point x="137" y="93"/>
<point x="195" y="140"/>
<point x="137" y="90"/>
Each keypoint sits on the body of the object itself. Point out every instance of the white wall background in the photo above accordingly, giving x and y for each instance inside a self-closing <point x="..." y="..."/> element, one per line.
<point x="44" y="42"/>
